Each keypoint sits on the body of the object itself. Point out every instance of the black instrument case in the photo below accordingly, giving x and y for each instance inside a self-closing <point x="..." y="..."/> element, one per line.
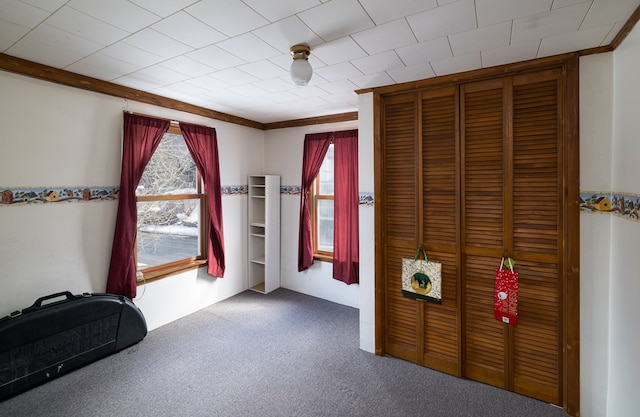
<point x="62" y="332"/>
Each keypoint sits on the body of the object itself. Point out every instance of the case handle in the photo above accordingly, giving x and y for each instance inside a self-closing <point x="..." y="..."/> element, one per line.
<point x="66" y="294"/>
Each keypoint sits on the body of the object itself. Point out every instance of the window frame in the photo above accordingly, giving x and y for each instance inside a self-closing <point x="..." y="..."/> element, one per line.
<point x="314" y="198"/>
<point x="157" y="272"/>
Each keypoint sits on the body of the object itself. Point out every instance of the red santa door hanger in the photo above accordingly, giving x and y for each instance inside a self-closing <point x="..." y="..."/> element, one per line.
<point x="506" y="293"/>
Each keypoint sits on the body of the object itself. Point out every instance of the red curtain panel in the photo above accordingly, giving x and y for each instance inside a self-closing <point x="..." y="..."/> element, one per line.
<point x="142" y="135"/>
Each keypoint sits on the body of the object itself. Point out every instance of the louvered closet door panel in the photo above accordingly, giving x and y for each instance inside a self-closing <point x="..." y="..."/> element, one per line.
<point x="483" y="165"/>
<point x="483" y="230"/>
<point x="440" y="221"/>
<point x="536" y="230"/>
<point x="484" y="335"/>
<point x="399" y="207"/>
<point x="537" y="357"/>
<point x="535" y="168"/>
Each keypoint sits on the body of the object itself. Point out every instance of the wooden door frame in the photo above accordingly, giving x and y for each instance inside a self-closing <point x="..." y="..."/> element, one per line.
<point x="569" y="63"/>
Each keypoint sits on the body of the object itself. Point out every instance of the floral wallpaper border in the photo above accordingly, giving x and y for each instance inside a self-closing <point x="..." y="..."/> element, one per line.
<point x="624" y="205"/>
<point x="11" y="196"/>
<point x="44" y="195"/>
<point x="366" y="199"/>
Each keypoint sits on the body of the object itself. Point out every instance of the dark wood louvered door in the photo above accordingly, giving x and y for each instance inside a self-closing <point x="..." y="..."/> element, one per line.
<point x="400" y="233"/>
<point x="512" y="207"/>
<point x="439" y="127"/>
<point x="474" y="172"/>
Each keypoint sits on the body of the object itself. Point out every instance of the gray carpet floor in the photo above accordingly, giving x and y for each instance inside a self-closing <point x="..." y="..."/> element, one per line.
<point x="281" y="354"/>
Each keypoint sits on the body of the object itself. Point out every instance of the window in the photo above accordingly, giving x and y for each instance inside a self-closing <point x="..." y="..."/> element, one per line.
<point x="329" y="200"/>
<point x="322" y="203"/>
<point x="172" y="214"/>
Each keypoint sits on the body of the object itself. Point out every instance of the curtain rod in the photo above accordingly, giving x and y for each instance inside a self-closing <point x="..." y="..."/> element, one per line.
<point x="172" y="121"/>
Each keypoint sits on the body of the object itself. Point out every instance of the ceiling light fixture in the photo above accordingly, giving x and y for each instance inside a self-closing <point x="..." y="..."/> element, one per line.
<point x="301" y="70"/>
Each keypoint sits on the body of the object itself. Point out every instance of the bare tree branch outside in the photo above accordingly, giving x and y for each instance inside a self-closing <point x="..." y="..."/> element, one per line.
<point x="168" y="229"/>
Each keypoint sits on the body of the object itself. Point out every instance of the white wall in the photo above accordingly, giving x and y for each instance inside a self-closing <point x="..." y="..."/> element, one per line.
<point x="596" y="159"/>
<point x="624" y="313"/>
<point x="609" y="262"/>
<point x="283" y="156"/>
<point x="55" y="136"/>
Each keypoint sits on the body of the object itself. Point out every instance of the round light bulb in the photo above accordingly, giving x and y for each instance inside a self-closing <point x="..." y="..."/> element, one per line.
<point x="301" y="71"/>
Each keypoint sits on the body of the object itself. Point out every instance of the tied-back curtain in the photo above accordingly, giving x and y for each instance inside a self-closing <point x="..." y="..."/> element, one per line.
<point x="203" y="146"/>
<point x="346" y="257"/>
<point x="315" y="149"/>
<point x="141" y="137"/>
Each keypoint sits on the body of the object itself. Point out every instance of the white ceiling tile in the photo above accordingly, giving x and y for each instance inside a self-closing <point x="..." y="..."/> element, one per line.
<point x="102" y="67"/>
<point x="237" y="17"/>
<point x="208" y="83"/>
<point x="163" y="8"/>
<point x="187" y="29"/>
<point x="336" y="19"/>
<point x="250" y="91"/>
<point x="274" y="85"/>
<point x="412" y="73"/>
<point x="308" y="91"/>
<point x="139" y="82"/>
<point x="516" y="52"/>
<point x="445" y="20"/>
<point x="263" y="69"/>
<point x="249" y="47"/>
<point x="612" y="34"/>
<point x="131" y="54"/>
<point x="280" y="97"/>
<point x="233" y="77"/>
<point x="157" y="43"/>
<point x="483" y="38"/>
<point x="342" y="86"/>
<point x="284" y="34"/>
<point x="284" y="61"/>
<point x="19" y="13"/>
<point x="386" y="11"/>
<point x="378" y="63"/>
<point x="146" y="44"/>
<point x="161" y="75"/>
<point x="603" y="12"/>
<point x="215" y="57"/>
<point x="188" y="66"/>
<point x="557" y="4"/>
<point x="544" y="25"/>
<point x="346" y="97"/>
<point x="426" y="51"/>
<point x="177" y="92"/>
<point x="274" y="10"/>
<point x="457" y="64"/>
<point x="338" y="71"/>
<point x="339" y="50"/>
<point x="73" y="21"/>
<point x="574" y="41"/>
<point x="495" y="11"/>
<point x="372" y="80"/>
<point x="119" y="13"/>
<point x="54" y="47"/>
<point x="10" y="33"/>
<point x="385" y="37"/>
<point x="48" y="5"/>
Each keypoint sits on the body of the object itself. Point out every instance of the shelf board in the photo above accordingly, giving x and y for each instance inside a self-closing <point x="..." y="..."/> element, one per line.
<point x="259" y="287"/>
<point x="257" y="235"/>
<point x="258" y="261"/>
<point x="258" y="223"/>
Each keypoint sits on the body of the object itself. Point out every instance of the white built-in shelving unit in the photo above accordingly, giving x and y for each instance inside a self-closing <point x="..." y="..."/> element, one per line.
<point x="264" y="233"/>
